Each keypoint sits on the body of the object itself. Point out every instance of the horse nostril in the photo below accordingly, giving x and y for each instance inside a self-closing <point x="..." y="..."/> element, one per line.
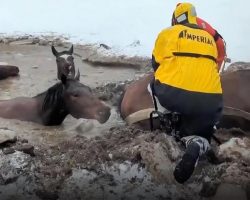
<point x="104" y="114"/>
<point x="67" y="65"/>
<point x="16" y="69"/>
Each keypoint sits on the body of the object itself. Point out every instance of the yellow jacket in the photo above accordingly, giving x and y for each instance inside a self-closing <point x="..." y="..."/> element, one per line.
<point x="187" y="59"/>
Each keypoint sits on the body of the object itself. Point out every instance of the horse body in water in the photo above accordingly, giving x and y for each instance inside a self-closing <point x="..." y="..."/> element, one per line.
<point x="69" y="96"/>
<point x="51" y="107"/>
<point x="137" y="103"/>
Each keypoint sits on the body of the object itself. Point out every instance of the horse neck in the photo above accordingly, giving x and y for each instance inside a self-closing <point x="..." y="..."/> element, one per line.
<point x="52" y="109"/>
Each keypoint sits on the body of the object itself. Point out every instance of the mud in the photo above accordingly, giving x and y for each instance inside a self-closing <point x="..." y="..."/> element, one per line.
<point x="238" y="66"/>
<point x="82" y="159"/>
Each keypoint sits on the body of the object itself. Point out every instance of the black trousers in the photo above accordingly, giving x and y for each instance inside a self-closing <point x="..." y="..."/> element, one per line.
<point x="199" y="111"/>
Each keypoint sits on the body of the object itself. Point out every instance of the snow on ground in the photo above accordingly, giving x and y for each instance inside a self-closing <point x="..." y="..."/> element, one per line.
<point x="129" y="26"/>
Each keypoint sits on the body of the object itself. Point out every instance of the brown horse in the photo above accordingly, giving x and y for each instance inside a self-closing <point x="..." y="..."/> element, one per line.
<point x="236" y="95"/>
<point x="137" y="103"/>
<point x="65" y="63"/>
<point x="69" y="96"/>
<point x="8" y="70"/>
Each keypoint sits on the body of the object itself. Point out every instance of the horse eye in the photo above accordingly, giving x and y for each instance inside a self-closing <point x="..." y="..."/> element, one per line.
<point x="75" y="95"/>
<point x="58" y="59"/>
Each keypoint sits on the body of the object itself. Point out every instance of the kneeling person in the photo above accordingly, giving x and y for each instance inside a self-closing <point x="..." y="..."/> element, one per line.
<point x="187" y="81"/>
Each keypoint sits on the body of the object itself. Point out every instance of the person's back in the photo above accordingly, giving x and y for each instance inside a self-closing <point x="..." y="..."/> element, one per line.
<point x="181" y="10"/>
<point x="186" y="57"/>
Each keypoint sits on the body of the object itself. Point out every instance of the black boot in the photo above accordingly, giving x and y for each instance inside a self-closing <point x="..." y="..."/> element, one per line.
<point x="184" y="169"/>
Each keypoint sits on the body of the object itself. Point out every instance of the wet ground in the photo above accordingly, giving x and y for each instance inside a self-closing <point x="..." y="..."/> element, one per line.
<point x="38" y="72"/>
<point x="82" y="159"/>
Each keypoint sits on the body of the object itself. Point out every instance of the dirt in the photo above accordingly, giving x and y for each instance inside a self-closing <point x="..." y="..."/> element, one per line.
<point x="82" y="159"/>
<point x="238" y="66"/>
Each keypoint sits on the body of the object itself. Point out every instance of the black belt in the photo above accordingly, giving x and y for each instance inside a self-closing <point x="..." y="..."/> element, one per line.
<point x="195" y="55"/>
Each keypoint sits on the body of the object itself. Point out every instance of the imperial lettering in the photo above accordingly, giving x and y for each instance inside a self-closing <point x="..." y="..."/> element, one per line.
<point x="198" y="38"/>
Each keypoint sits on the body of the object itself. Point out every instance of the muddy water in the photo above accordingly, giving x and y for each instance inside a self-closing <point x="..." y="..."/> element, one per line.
<point x="37" y="73"/>
<point x="122" y="163"/>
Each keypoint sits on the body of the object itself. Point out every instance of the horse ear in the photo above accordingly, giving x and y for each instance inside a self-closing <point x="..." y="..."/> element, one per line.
<point x="54" y="51"/>
<point x="71" y="50"/>
<point x="63" y="79"/>
<point x="77" y="76"/>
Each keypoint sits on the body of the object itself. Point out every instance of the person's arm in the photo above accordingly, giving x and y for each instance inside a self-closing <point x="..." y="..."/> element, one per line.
<point x="155" y="64"/>
<point x="221" y="52"/>
<point x="161" y="48"/>
<point x="220" y="44"/>
<point x="157" y="52"/>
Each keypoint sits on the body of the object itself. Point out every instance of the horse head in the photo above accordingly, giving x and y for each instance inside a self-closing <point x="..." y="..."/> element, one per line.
<point x="69" y="96"/>
<point x="65" y="63"/>
<point x="82" y="103"/>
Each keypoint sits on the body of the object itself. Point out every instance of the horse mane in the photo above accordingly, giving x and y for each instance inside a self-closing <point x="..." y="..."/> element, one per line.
<point x="54" y="95"/>
<point x="119" y="107"/>
<point x="53" y="109"/>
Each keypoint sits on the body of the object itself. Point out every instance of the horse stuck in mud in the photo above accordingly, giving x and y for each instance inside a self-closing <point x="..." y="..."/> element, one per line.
<point x="65" y="63"/>
<point x="8" y="70"/>
<point x="68" y="96"/>
<point x="137" y="103"/>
